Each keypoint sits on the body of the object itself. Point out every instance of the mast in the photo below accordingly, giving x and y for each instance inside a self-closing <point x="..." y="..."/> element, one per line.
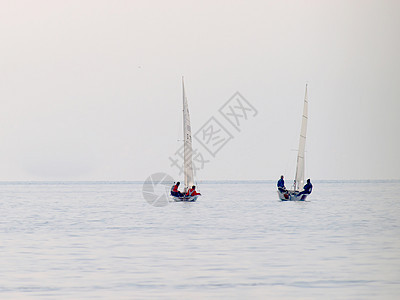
<point x="299" y="179"/>
<point x="187" y="142"/>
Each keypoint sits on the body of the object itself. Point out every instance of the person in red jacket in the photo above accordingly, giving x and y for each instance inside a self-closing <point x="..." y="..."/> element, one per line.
<point x="175" y="191"/>
<point x="192" y="192"/>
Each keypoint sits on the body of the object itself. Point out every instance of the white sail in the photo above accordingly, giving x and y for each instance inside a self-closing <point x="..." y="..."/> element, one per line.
<point x="299" y="179"/>
<point x="187" y="134"/>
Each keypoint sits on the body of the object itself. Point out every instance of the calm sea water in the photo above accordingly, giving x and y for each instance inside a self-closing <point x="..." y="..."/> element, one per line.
<point x="102" y="240"/>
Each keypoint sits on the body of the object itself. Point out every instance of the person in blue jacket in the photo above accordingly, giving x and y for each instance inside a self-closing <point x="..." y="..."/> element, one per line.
<point x="307" y="188"/>
<point x="281" y="185"/>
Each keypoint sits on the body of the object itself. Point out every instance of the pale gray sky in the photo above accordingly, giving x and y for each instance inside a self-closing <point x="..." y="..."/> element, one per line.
<point x="91" y="90"/>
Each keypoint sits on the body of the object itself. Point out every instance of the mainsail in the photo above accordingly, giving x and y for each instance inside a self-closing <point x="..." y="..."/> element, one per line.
<point x="299" y="179"/>
<point x="187" y="135"/>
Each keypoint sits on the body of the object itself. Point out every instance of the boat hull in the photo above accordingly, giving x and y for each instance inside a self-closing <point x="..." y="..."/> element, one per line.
<point x="291" y="196"/>
<point x="185" y="199"/>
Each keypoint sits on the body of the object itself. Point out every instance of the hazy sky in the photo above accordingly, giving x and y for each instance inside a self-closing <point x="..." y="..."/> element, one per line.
<point x="91" y="90"/>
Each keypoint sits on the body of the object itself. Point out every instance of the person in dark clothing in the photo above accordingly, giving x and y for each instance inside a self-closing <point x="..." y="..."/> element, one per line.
<point x="281" y="185"/>
<point x="307" y="188"/>
<point x="174" y="190"/>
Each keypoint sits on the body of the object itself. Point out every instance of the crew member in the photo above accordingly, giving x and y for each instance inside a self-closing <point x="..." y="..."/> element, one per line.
<point x="307" y="188"/>
<point x="174" y="190"/>
<point x="281" y="185"/>
<point x="192" y="192"/>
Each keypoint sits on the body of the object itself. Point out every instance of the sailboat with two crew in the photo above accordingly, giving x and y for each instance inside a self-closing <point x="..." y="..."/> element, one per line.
<point x="187" y="156"/>
<point x="294" y="194"/>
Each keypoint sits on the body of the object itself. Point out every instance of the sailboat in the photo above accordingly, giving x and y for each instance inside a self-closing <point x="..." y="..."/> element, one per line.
<point x="294" y="193"/>
<point x="187" y="150"/>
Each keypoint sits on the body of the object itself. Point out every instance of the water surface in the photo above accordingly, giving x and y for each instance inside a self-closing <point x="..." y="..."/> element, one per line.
<point x="102" y="240"/>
